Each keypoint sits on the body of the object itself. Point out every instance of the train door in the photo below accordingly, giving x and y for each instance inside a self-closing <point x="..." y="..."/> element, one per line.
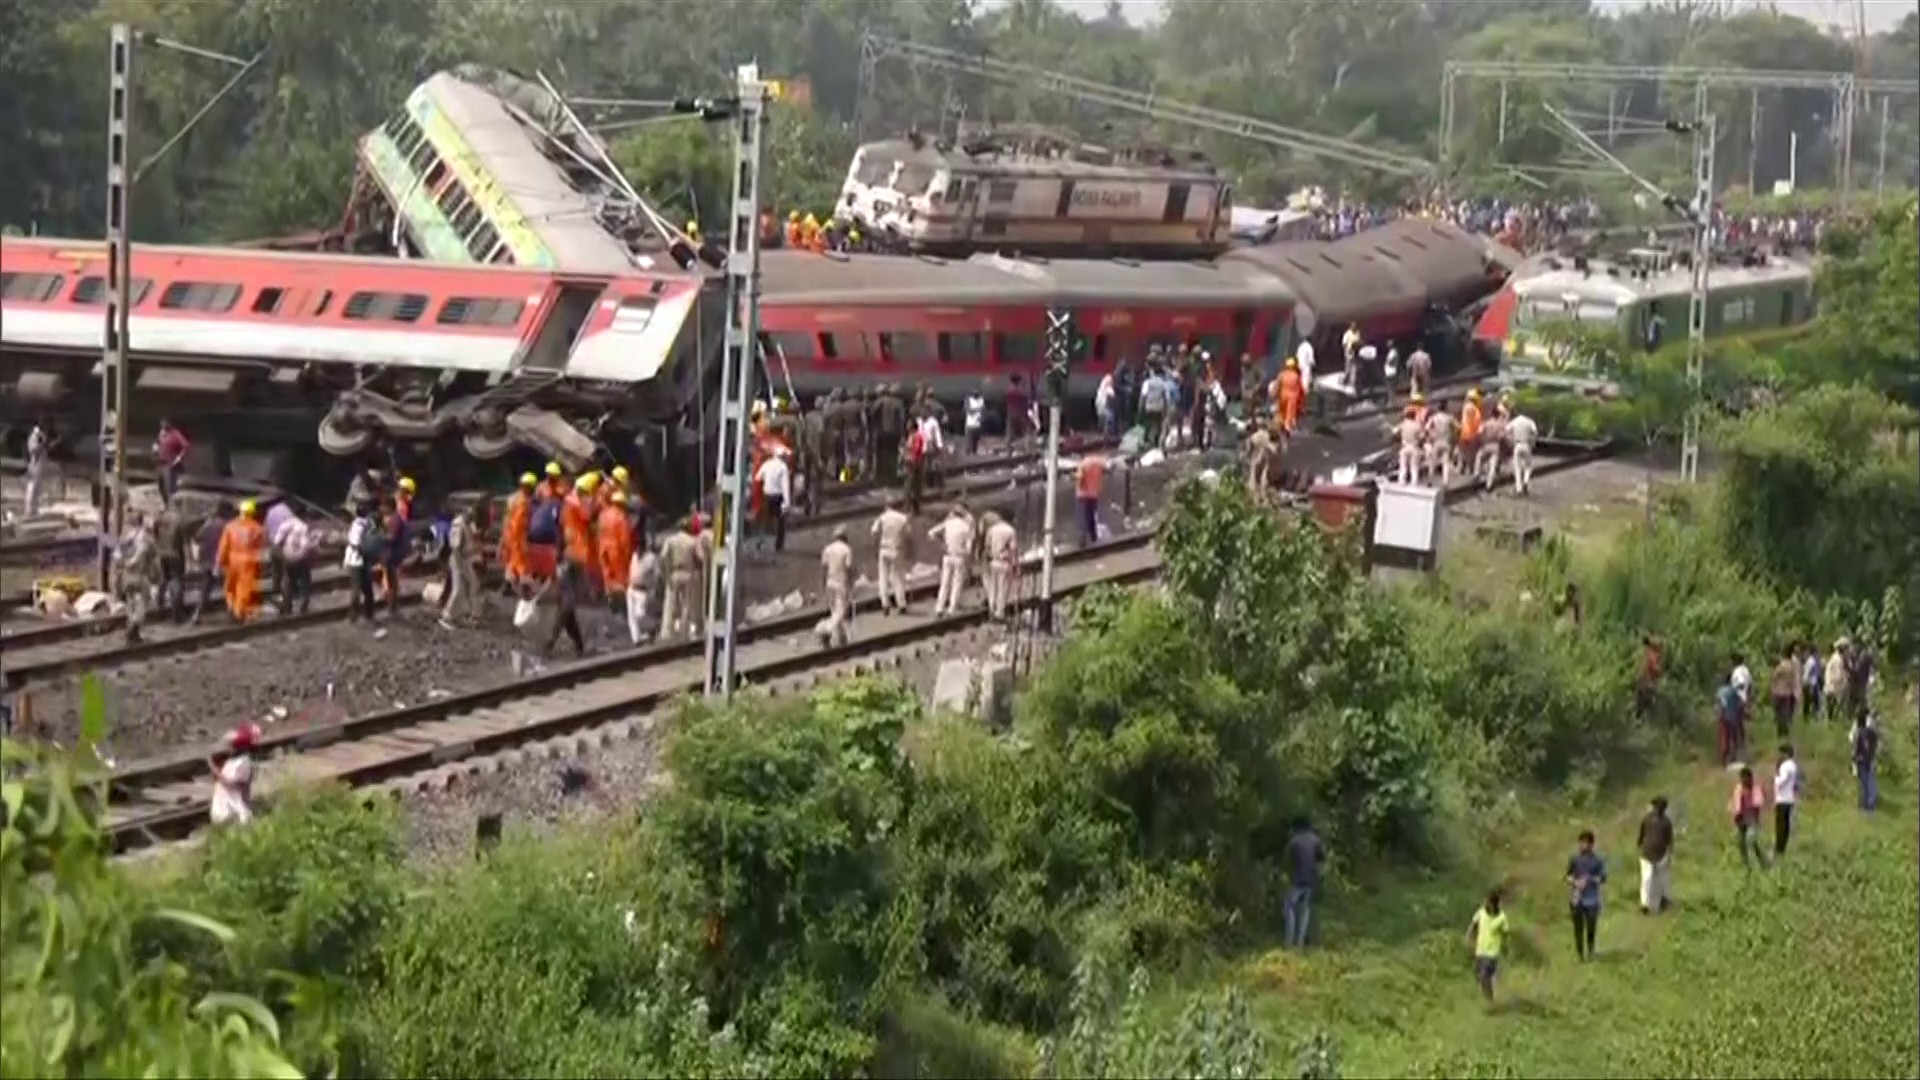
<point x="1240" y="344"/>
<point x="1222" y="221"/>
<point x="1176" y="210"/>
<point x="568" y="307"/>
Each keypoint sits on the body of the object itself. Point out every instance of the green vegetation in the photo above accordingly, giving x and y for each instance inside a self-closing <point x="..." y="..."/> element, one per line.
<point x="841" y="886"/>
<point x="275" y="158"/>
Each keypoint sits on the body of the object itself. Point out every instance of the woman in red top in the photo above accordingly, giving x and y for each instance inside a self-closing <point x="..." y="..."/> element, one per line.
<point x="1745" y="805"/>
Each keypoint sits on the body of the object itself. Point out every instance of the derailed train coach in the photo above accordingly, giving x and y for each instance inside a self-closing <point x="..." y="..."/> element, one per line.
<point x="966" y="325"/>
<point x="290" y="369"/>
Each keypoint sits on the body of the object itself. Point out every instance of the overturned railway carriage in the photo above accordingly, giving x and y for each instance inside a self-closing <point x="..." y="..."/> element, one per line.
<point x="1643" y="299"/>
<point x="958" y="325"/>
<point x="288" y="367"/>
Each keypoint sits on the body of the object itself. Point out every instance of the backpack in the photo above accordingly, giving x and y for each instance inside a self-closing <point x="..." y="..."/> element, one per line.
<point x="544" y="527"/>
<point x="372" y="545"/>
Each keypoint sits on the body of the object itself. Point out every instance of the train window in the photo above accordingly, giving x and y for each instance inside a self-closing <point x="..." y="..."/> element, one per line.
<point x="436" y="173"/>
<point x="963" y="348"/>
<point x="200" y="295"/>
<point x="396" y="307"/>
<point x="267" y="301"/>
<point x="1000" y="191"/>
<point x="93" y="290"/>
<point x="480" y="311"/>
<point x="467" y="218"/>
<point x="500" y="253"/>
<point x="910" y="348"/>
<point x="1065" y="202"/>
<point x="790" y="345"/>
<point x="326" y="298"/>
<point x="1016" y="348"/>
<point x="993" y="227"/>
<point x="38" y="288"/>
<point x="849" y="347"/>
<point x="481" y="244"/>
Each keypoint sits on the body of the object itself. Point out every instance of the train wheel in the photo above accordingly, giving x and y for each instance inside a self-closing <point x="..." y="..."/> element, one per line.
<point x="342" y="437"/>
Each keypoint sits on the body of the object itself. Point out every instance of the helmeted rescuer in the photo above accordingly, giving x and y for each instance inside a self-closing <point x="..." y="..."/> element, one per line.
<point x="513" y="533"/>
<point x="1419" y="406"/>
<point x="613" y="537"/>
<point x="238" y="557"/>
<point x="796" y="235"/>
<point x="576" y="523"/>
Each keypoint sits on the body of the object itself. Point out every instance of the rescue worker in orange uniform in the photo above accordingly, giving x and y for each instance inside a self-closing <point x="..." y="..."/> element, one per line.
<point x="1471" y="420"/>
<point x="613" y="539"/>
<point x="543" y="558"/>
<point x="513" y="534"/>
<point x="576" y="565"/>
<point x="796" y="233"/>
<point x="1290" y="393"/>
<point x="241" y="544"/>
<point x="810" y="233"/>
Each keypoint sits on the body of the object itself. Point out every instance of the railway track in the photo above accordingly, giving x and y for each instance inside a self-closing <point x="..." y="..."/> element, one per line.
<point x="167" y="799"/>
<point x="36" y="652"/>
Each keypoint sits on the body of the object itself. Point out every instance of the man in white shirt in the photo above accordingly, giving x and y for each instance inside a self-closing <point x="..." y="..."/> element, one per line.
<point x="1786" y="795"/>
<point x="1409" y="431"/>
<point x="890" y="530"/>
<point x="233" y="777"/>
<point x="293" y="546"/>
<point x="1522" y="432"/>
<point x="776" y="488"/>
<point x="1742" y="680"/>
<point x="1105" y="402"/>
<point x="36" y="469"/>
<point x="643" y="586"/>
<point x="1304" y="357"/>
<point x="976" y="420"/>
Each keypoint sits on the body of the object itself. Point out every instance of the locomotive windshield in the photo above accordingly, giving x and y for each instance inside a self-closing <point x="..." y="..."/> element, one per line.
<point x="911" y="180"/>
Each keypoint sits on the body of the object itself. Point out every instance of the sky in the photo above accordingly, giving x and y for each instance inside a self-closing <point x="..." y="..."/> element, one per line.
<point x="1881" y="14"/>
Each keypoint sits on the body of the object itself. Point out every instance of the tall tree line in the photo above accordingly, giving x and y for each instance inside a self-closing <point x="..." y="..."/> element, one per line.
<point x="276" y="157"/>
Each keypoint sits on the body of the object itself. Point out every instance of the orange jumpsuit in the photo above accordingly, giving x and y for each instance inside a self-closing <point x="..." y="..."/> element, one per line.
<point x="513" y="537"/>
<point x="1290" y="398"/>
<point x="1470" y="423"/>
<point x="613" y="535"/>
<point x="576" y="531"/>
<point x="241" y="543"/>
<point x="796" y="236"/>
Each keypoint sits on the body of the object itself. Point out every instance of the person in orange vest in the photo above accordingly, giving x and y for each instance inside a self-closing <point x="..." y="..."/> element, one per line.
<point x="513" y="533"/>
<point x="1471" y="421"/>
<point x="810" y="233"/>
<point x="1290" y="395"/>
<point x="613" y="539"/>
<point x="796" y="233"/>
<point x="576" y="564"/>
<point x="238" y="558"/>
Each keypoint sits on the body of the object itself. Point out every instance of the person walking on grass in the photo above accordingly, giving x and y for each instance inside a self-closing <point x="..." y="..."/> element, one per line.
<point x="1487" y="935"/>
<point x="1786" y="795"/>
<point x="1745" y="807"/>
<point x="1732" y="710"/>
<point x="1865" y="740"/>
<point x="1656" y="858"/>
<point x="1306" y="856"/>
<point x="1586" y="872"/>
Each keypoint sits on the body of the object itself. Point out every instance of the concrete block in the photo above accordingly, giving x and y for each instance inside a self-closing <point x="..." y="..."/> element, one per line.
<point x="955" y="687"/>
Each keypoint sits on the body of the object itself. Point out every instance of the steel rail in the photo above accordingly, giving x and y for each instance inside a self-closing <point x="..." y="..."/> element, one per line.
<point x="144" y="828"/>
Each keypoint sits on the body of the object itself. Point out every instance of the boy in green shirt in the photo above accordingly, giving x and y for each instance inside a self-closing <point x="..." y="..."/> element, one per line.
<point x="1487" y="934"/>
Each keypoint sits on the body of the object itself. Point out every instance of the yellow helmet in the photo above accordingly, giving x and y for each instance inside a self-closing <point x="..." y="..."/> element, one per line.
<point x="693" y="227"/>
<point x="553" y="468"/>
<point x="588" y="481"/>
<point x="811" y="220"/>
<point x="1419" y="399"/>
<point x="527" y="479"/>
<point x="249" y="508"/>
<point x="1293" y="362"/>
<point x="406" y="484"/>
<point x="618" y="498"/>
<point x="1473" y="394"/>
<point x="793" y="215"/>
<point x="620" y="473"/>
<point x="853" y="235"/>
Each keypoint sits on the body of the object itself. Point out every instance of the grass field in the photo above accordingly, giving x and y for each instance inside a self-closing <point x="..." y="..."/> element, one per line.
<point x="1806" y="970"/>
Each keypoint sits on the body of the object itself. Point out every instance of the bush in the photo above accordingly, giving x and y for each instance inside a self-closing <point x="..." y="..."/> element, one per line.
<point x="1002" y="855"/>
<point x="777" y="847"/>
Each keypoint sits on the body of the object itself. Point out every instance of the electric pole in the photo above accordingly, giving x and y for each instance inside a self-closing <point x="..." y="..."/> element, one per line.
<point x="1705" y="130"/>
<point x="113" y="359"/>
<point x="121" y="296"/>
<point x="1065" y="345"/>
<point x="748" y="114"/>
